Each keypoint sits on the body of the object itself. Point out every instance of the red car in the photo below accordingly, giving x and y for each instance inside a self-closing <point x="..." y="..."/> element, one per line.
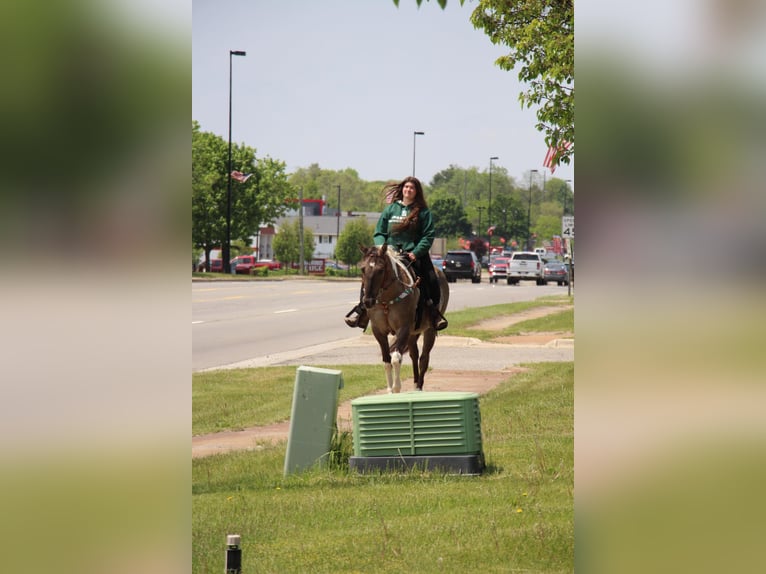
<point x="244" y="263"/>
<point x="216" y="266"/>
<point x="498" y="269"/>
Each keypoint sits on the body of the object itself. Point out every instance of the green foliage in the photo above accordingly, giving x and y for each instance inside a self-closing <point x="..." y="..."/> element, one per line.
<point x="287" y="245"/>
<point x="355" y="194"/>
<point x="261" y="199"/>
<point x="449" y="217"/>
<point x="540" y="37"/>
<point x="356" y="232"/>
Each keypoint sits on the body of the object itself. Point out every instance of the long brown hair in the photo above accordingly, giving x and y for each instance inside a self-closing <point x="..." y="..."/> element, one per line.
<point x="395" y="192"/>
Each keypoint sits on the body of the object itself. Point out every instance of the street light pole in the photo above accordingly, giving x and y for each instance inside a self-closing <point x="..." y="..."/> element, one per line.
<point x="414" y="135"/>
<point x="480" y="208"/>
<point x="529" y="212"/>
<point x="226" y="248"/>
<point x="566" y="194"/>
<point x="337" y="229"/>
<point x="489" y="210"/>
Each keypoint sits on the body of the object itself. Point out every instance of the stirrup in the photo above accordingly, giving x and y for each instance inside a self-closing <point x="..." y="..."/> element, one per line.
<point x="439" y="322"/>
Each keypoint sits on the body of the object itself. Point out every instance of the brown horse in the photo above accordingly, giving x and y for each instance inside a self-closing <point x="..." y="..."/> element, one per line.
<point x="391" y="295"/>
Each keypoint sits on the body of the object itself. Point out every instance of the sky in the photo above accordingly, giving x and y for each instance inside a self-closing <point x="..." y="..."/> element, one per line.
<point x="345" y="83"/>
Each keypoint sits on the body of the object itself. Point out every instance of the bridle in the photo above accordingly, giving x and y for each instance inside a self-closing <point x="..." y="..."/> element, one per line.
<point x="389" y="279"/>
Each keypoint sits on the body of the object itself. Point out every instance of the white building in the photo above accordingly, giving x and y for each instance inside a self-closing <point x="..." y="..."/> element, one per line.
<point x="326" y="229"/>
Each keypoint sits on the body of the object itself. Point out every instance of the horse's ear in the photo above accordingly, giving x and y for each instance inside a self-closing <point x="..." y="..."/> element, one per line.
<point x="363" y="249"/>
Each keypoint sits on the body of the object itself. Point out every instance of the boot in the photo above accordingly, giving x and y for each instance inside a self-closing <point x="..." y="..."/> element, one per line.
<point x="440" y="322"/>
<point x="361" y="319"/>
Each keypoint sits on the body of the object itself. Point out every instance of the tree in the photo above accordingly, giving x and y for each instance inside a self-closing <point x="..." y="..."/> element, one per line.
<point x="356" y="195"/>
<point x="287" y="246"/>
<point x="540" y="37"/>
<point x="261" y="199"/>
<point x="356" y="232"/>
<point x="449" y="218"/>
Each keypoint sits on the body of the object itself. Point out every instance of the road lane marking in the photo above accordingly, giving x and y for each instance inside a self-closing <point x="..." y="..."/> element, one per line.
<point x="285" y="311"/>
<point x="197" y="322"/>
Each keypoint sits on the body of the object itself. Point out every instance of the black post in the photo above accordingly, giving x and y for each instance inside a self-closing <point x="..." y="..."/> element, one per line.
<point x="337" y="229"/>
<point x="489" y="209"/>
<point x="226" y="247"/>
<point x="233" y="554"/>
<point x="529" y="212"/>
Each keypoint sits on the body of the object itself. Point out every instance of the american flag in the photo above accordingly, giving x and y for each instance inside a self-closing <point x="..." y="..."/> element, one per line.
<point x="239" y="176"/>
<point x="552" y="157"/>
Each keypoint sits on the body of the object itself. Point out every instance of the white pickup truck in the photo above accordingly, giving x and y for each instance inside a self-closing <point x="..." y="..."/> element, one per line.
<point x="525" y="265"/>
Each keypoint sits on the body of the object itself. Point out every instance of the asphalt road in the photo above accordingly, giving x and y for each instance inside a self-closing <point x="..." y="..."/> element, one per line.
<point x="279" y="322"/>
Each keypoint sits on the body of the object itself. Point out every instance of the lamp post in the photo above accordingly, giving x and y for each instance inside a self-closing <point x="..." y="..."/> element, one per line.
<point x="480" y="208"/>
<point x="337" y="229"/>
<point x="529" y="211"/>
<point x="414" y="135"/>
<point x="489" y="209"/>
<point x="226" y="251"/>
<point x="566" y="194"/>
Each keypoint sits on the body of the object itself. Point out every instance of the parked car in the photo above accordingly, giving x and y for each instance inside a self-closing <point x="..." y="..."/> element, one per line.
<point x="498" y="269"/>
<point x="462" y="264"/>
<point x="244" y="264"/>
<point x="556" y="271"/>
<point x="216" y="266"/>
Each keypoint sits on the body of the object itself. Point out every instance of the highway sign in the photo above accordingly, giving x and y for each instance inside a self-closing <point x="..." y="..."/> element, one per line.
<point x="567" y="226"/>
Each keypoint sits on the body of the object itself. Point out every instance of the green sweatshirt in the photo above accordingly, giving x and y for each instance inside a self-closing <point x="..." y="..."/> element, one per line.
<point x="418" y="240"/>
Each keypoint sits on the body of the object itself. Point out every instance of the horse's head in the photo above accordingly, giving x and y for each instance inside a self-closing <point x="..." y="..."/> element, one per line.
<point x="375" y="270"/>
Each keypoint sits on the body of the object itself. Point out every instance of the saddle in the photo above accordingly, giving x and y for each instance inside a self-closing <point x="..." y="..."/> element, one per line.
<point x="420" y="282"/>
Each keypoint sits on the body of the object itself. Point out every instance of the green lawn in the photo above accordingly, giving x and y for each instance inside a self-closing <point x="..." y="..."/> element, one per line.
<point x="517" y="517"/>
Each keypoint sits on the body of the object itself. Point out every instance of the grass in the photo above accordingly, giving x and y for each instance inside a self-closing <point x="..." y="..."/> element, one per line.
<point x="240" y="398"/>
<point x="463" y="323"/>
<point x="234" y="399"/>
<point x="517" y="517"/>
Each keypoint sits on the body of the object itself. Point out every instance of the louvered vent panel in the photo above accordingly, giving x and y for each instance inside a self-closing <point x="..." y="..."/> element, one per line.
<point x="418" y="423"/>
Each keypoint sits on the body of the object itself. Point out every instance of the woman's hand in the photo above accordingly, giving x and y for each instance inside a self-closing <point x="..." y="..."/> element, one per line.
<point x="411" y="256"/>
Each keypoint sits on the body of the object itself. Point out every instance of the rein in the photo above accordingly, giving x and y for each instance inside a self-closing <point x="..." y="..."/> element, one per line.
<point x="408" y="287"/>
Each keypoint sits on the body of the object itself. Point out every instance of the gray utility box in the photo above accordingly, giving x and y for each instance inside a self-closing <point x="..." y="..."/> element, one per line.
<point x="425" y="429"/>
<point x="312" y="423"/>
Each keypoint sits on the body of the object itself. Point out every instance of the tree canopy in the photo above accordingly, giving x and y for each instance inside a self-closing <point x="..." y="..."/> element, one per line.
<point x="357" y="232"/>
<point x="260" y="199"/>
<point x="540" y="37"/>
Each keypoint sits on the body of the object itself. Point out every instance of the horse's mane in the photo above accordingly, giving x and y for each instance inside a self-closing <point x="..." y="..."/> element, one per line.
<point x="399" y="266"/>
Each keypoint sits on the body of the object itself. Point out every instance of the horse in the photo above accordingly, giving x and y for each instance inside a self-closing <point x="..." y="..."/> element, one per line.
<point x="390" y="295"/>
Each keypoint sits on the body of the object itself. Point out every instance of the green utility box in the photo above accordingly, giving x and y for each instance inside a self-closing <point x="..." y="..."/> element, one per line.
<point x="432" y="428"/>
<point x="312" y="422"/>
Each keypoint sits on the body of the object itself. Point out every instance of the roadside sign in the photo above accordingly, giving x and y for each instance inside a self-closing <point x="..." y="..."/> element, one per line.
<point x="567" y="226"/>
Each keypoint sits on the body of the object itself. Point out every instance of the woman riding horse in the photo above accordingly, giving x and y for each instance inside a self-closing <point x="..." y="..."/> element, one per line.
<point x="407" y="225"/>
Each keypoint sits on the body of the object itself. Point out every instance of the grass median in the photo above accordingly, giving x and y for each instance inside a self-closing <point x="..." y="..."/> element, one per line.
<point x="517" y="516"/>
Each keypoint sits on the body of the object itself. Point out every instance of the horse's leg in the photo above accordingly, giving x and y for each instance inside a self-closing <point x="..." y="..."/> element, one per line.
<point x="399" y="345"/>
<point x="382" y="339"/>
<point x="396" y="361"/>
<point x="429" y="337"/>
<point x="414" y="353"/>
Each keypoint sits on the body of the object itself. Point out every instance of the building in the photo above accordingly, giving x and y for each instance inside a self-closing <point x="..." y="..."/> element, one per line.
<point x="326" y="229"/>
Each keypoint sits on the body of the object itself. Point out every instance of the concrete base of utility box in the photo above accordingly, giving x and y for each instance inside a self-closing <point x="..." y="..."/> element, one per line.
<point x="470" y="464"/>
